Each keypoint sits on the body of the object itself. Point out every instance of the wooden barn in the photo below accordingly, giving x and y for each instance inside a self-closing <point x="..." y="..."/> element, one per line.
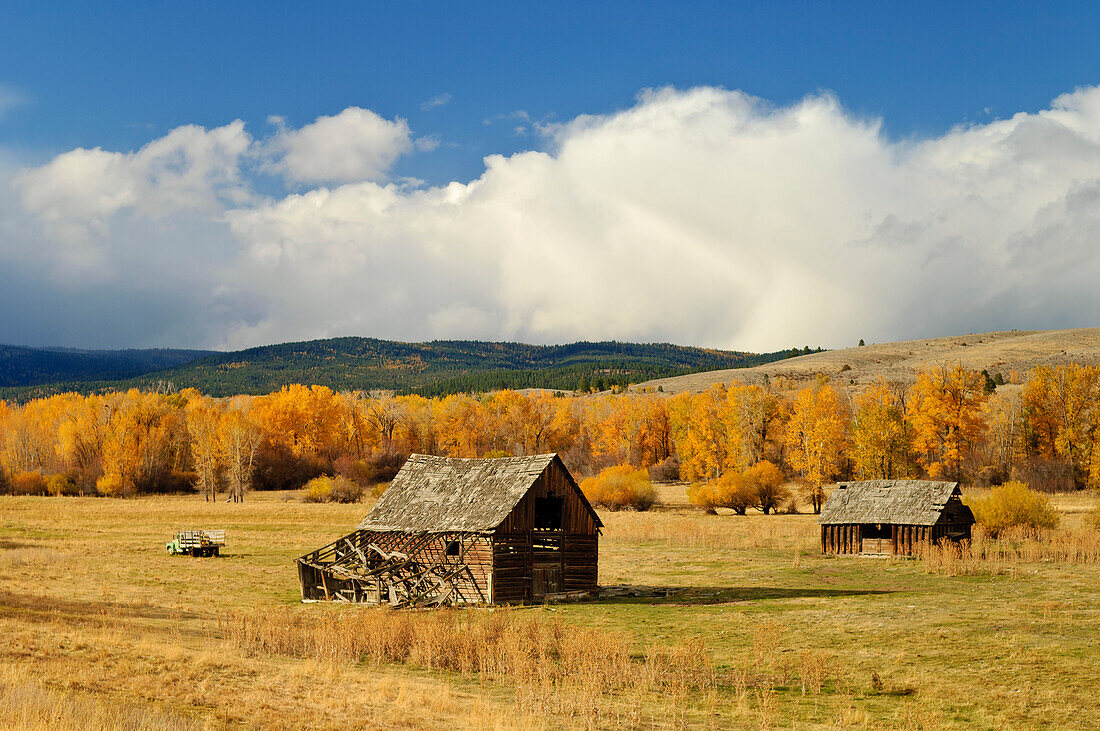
<point x="464" y="531"/>
<point x="892" y="516"/>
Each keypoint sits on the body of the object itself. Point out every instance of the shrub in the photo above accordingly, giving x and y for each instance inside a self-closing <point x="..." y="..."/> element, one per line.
<point x="112" y="485"/>
<point x="327" y="489"/>
<point x="318" y="490"/>
<point x="619" y="487"/>
<point x="667" y="470"/>
<point x="356" y="470"/>
<point x="61" y="485"/>
<point x="1013" y="504"/>
<point x="28" y="483"/>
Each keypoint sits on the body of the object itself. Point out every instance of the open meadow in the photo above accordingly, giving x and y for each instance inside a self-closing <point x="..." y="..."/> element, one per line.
<point x="103" y="629"/>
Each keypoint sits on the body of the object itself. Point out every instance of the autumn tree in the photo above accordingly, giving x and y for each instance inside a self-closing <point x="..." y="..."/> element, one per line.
<point x="816" y="437"/>
<point x="753" y="418"/>
<point x="204" y="419"/>
<point x="699" y="431"/>
<point x="1001" y="414"/>
<point x="945" y="411"/>
<point x="146" y="441"/>
<point x="239" y="441"/>
<point x="881" y="438"/>
<point x="1061" y="412"/>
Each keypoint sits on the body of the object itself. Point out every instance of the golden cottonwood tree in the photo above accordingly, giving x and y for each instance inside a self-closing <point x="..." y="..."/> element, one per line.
<point x="1061" y="411"/>
<point x="699" y="432"/>
<point x="204" y="418"/>
<point x="816" y="437"/>
<point x="945" y="411"/>
<point x="239" y="440"/>
<point x="881" y="439"/>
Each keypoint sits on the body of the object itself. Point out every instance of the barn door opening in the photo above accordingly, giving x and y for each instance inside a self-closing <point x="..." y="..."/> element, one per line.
<point x="877" y="538"/>
<point x="546" y="547"/>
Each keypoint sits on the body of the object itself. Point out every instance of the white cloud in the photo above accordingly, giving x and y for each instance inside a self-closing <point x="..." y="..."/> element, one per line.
<point x="354" y="145"/>
<point x="190" y="168"/>
<point x="438" y="100"/>
<point x="702" y="216"/>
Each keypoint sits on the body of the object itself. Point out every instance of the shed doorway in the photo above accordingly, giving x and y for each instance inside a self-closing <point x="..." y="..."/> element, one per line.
<point x="877" y="538"/>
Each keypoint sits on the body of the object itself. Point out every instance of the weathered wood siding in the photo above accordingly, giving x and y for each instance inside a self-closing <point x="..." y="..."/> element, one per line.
<point x="841" y="539"/>
<point x="530" y="562"/>
<point x="905" y="540"/>
<point x="577" y="519"/>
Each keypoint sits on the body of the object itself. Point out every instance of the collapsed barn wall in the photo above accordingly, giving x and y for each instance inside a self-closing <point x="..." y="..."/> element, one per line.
<point x="400" y="569"/>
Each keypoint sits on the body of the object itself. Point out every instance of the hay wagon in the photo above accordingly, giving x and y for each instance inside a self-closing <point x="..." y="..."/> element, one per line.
<point x="197" y="543"/>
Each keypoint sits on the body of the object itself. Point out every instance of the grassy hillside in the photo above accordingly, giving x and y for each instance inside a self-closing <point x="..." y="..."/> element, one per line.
<point x="996" y="352"/>
<point x="434" y="368"/>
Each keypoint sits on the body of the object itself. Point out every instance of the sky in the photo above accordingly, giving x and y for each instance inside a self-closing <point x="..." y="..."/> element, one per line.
<point x="734" y="175"/>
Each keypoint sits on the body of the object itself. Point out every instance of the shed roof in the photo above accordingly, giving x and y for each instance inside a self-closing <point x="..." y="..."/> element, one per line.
<point x="436" y="494"/>
<point x="901" y="502"/>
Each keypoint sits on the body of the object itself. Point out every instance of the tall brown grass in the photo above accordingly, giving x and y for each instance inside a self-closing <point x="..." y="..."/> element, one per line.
<point x="582" y="677"/>
<point x="714" y="532"/>
<point x="985" y="554"/>
<point x="26" y="706"/>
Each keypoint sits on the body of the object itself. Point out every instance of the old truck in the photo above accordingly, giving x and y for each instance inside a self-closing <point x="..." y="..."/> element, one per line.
<point x="197" y="543"/>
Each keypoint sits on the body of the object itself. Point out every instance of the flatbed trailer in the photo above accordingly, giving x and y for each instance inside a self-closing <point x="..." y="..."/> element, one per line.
<point x="197" y="543"/>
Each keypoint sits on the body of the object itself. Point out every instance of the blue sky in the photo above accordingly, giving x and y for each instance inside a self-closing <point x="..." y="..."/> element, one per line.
<point x="116" y="74"/>
<point x="722" y="174"/>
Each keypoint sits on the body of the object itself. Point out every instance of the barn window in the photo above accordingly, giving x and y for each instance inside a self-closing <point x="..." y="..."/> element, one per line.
<point x="548" y="512"/>
<point x="453" y="548"/>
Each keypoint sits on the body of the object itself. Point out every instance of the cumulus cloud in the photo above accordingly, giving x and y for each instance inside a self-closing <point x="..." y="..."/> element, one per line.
<point x="190" y="168"/>
<point x="354" y="145"/>
<point x="701" y="216"/>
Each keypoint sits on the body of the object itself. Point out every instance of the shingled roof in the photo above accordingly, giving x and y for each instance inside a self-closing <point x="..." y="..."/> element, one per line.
<point x="436" y="494"/>
<point x="899" y="502"/>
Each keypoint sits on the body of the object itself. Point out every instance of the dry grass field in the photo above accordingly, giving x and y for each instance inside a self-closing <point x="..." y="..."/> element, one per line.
<point x="102" y="629"/>
<point x="1002" y="352"/>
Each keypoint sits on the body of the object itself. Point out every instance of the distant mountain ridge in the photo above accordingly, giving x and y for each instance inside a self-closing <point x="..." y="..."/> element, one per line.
<point x="23" y="366"/>
<point x="431" y="368"/>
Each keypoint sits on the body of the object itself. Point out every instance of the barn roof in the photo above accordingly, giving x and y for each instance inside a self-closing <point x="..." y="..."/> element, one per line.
<point x="436" y="494"/>
<point x="902" y="502"/>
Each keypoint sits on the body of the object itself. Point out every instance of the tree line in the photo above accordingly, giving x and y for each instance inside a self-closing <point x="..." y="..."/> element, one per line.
<point x="951" y="423"/>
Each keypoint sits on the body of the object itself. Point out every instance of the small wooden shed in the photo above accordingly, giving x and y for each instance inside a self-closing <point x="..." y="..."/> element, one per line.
<point x="464" y="531"/>
<point x="892" y="516"/>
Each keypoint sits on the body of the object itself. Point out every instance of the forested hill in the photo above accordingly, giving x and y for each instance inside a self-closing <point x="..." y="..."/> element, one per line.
<point x="20" y="366"/>
<point x="434" y="368"/>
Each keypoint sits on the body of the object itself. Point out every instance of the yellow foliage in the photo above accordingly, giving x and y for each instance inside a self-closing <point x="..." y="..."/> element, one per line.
<point x="881" y="440"/>
<point x="619" y="487"/>
<point x="816" y="438"/>
<point x="945" y="411"/>
<point x="1061" y="408"/>
<point x="111" y="485"/>
<point x="1010" y="505"/>
<point x="327" y="489"/>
